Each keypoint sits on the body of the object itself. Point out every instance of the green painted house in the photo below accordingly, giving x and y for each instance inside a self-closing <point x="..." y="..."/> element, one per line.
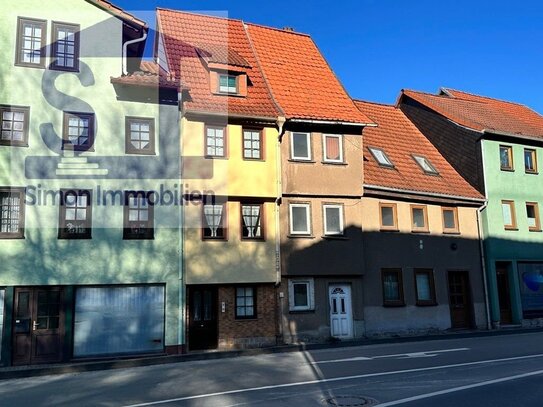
<point x="495" y="145"/>
<point x="89" y="187"/>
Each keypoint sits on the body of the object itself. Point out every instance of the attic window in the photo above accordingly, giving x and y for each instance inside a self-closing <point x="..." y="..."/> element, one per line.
<point x="425" y="164"/>
<point x="381" y="157"/>
<point x="228" y="84"/>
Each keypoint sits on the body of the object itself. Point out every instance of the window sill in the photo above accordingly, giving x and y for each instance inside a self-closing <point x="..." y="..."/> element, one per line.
<point x="23" y="65"/>
<point x="254" y="159"/>
<point x="215" y="157"/>
<point x="8" y="144"/>
<point x="139" y="152"/>
<point x="250" y="239"/>
<point x="63" y="69"/>
<point x="389" y="230"/>
<point x="452" y="232"/>
<point x="426" y="304"/>
<point x="214" y="239"/>
<point x="507" y="169"/>
<point x="334" y="237"/>
<point x="342" y="163"/>
<point x="531" y="172"/>
<point x="301" y="311"/>
<point x="394" y="305"/>
<point x="534" y="230"/>
<point x="302" y="160"/>
<point x="301" y="236"/>
<point x="511" y="229"/>
<point x="243" y="319"/>
<point x="422" y="231"/>
<point x="5" y="237"/>
<point x="75" y="238"/>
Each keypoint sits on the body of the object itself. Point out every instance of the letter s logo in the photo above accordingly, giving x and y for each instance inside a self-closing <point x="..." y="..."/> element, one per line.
<point x="64" y="102"/>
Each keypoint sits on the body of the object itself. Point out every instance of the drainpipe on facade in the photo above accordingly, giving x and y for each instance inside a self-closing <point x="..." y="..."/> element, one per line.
<point x="125" y="50"/>
<point x="481" y="243"/>
<point x="280" y="123"/>
<point x="181" y="295"/>
<point x="483" y="263"/>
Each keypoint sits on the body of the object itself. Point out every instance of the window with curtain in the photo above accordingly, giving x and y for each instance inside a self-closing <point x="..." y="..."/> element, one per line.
<point x="138" y="216"/>
<point x="75" y="214"/>
<point x="214" y="221"/>
<point x="424" y="286"/>
<point x="11" y="213"/>
<point x="333" y="148"/>
<point x="252" y="144"/>
<point x="245" y="302"/>
<point x="392" y="287"/>
<point x="251" y="216"/>
<point x="215" y="141"/>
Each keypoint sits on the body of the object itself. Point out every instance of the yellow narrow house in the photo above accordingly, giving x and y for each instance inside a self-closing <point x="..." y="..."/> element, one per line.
<point x="229" y="142"/>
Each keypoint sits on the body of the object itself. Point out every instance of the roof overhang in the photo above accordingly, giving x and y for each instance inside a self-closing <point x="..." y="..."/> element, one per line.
<point x="119" y="13"/>
<point x="332" y="122"/>
<point x="406" y="194"/>
<point x="512" y="135"/>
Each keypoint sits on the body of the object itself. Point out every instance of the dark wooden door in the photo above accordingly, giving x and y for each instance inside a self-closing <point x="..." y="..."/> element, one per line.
<point x="459" y="299"/>
<point x="202" y="317"/>
<point x="504" y="294"/>
<point x="38" y="325"/>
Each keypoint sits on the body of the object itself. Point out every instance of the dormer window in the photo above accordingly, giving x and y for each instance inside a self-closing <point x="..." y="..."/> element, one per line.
<point x="381" y="157"/>
<point x="228" y="84"/>
<point x="425" y="164"/>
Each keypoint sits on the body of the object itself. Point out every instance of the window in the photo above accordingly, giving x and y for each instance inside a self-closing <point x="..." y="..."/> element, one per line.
<point x="215" y="141"/>
<point x="532" y="212"/>
<point x="333" y="219"/>
<point x="381" y="157"/>
<point x="252" y="144"/>
<point x="424" y="287"/>
<point x="509" y="217"/>
<point x="506" y="158"/>
<point x="138" y="216"/>
<point x="65" y="48"/>
<point x="12" y="213"/>
<point x="450" y="220"/>
<point x="228" y="84"/>
<point x="75" y="219"/>
<point x="301" y="295"/>
<point x="31" y="38"/>
<point x="14" y="126"/>
<point x="78" y="131"/>
<point x="426" y="165"/>
<point x="530" y="160"/>
<point x="389" y="220"/>
<point x="214" y="221"/>
<point x="299" y="219"/>
<point x="392" y="287"/>
<point x="140" y="135"/>
<point x="251" y="219"/>
<point x="245" y="302"/>
<point x="332" y="148"/>
<point x="300" y="146"/>
<point x="419" y="218"/>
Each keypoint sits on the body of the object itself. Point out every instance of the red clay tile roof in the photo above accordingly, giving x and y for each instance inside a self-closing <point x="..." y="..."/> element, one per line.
<point x="399" y="138"/>
<point x="300" y="79"/>
<point x="482" y="113"/>
<point x="119" y="12"/>
<point x="149" y="75"/>
<point x="185" y="35"/>
<point x="222" y="55"/>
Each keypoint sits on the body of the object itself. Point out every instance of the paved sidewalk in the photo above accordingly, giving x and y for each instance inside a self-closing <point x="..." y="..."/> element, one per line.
<point x="147" y="360"/>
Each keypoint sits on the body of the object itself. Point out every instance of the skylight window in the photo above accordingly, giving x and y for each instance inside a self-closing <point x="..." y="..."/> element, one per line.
<point x="425" y="164"/>
<point x="381" y="157"/>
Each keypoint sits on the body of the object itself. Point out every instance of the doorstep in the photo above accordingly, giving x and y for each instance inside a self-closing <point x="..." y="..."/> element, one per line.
<point x="16" y="372"/>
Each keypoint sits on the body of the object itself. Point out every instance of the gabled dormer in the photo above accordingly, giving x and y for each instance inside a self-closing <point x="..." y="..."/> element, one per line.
<point x="228" y="71"/>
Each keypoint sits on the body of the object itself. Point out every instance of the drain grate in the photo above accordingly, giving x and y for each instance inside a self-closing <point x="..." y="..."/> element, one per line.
<point x="351" y="401"/>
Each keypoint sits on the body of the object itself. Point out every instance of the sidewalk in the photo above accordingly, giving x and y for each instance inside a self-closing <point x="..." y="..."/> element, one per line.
<point x="129" y="362"/>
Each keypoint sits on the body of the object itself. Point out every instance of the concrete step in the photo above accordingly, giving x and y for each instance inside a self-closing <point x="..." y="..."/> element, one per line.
<point x="82" y="166"/>
<point x="81" y="172"/>
<point x="73" y="160"/>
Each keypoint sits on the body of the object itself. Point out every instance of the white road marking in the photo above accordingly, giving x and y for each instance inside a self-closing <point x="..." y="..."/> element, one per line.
<point x="333" y="379"/>
<point x="424" y="354"/>
<point x="460" y="388"/>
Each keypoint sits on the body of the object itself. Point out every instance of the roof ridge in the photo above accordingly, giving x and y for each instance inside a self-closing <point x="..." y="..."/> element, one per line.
<point x="259" y="65"/>
<point x="483" y="96"/>
<point x="375" y="103"/>
<point x="192" y="13"/>
<point x="278" y="29"/>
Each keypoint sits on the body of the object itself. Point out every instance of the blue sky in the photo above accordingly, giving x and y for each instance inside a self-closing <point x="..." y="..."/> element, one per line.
<point x="377" y="47"/>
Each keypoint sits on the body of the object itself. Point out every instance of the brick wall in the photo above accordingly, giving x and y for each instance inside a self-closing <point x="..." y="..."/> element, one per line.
<point x="458" y="145"/>
<point x="247" y="333"/>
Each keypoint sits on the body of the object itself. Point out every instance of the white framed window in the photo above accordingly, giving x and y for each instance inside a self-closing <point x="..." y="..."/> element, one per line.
<point x="381" y="157"/>
<point x="228" y="84"/>
<point x="333" y="219"/>
<point x="332" y="147"/>
<point x="301" y="294"/>
<point x="425" y="164"/>
<point x="299" y="219"/>
<point x="300" y="146"/>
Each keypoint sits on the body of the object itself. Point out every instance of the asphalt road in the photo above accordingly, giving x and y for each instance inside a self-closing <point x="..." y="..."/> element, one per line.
<point x="490" y="371"/>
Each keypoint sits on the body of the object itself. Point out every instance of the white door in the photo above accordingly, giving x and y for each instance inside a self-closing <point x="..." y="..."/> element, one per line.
<point x="341" y="314"/>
